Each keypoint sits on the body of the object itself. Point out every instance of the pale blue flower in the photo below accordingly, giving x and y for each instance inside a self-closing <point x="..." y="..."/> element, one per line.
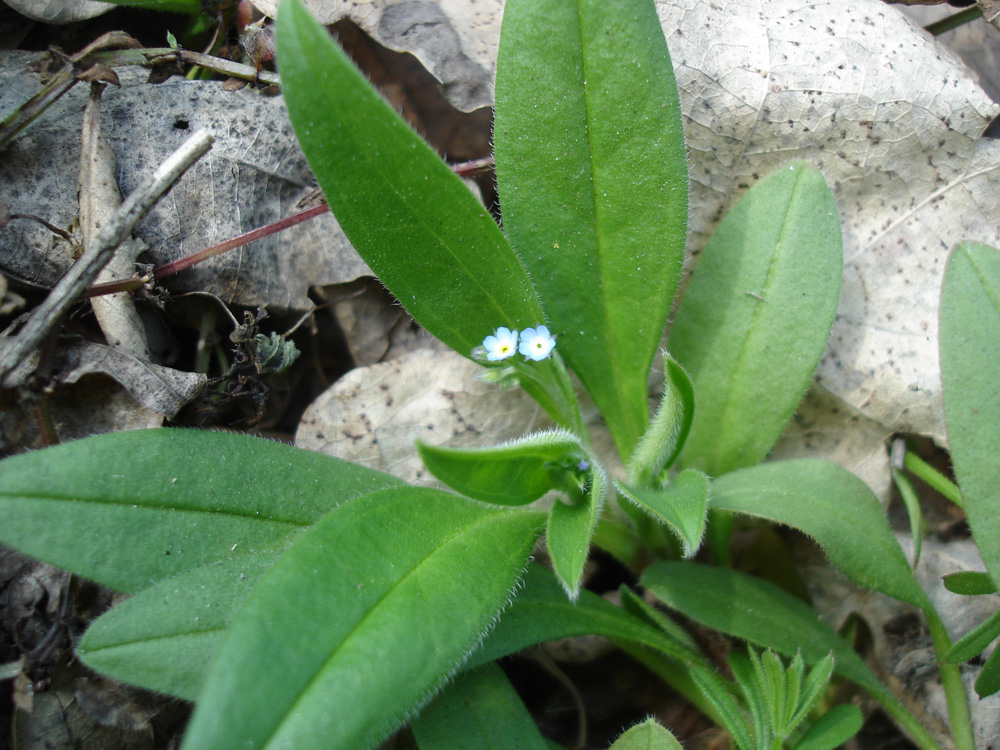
<point x="536" y="343"/>
<point x="501" y="345"/>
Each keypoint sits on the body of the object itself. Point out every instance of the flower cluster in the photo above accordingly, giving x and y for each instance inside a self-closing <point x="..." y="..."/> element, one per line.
<point x="536" y="343"/>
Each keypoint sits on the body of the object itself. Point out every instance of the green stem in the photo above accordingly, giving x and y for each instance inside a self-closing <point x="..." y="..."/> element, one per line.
<point x="951" y="681"/>
<point x="954" y="21"/>
<point x="924" y="471"/>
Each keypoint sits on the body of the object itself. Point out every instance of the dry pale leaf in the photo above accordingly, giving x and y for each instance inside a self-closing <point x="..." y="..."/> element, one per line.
<point x="456" y="40"/>
<point x="373" y="414"/>
<point x="893" y="120"/>
<point x="254" y="175"/>
<point x="59" y="11"/>
<point x="901" y="644"/>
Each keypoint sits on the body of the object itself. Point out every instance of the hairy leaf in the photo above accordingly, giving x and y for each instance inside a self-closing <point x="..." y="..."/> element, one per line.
<point x="754" y="320"/>
<point x="970" y="353"/>
<point x="431" y="243"/>
<point x="479" y="709"/>
<point x="570" y="528"/>
<point x="597" y="210"/>
<point x="682" y="506"/>
<point x="366" y="615"/>
<point x="171" y="500"/>
<point x="649" y="735"/>
<point x="516" y="473"/>
<point x="834" y="507"/>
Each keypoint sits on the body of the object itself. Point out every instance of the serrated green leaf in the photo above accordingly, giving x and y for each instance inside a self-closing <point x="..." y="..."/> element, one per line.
<point x="970" y="354"/>
<point x="665" y="437"/>
<point x="479" y="710"/>
<point x="413" y="221"/>
<point x="541" y="612"/>
<point x="596" y="209"/>
<point x="832" y="729"/>
<point x="369" y="611"/>
<point x="163" y="638"/>
<point x="970" y="583"/>
<point x="835" y="508"/>
<point x="813" y="687"/>
<point x="515" y="473"/>
<point x="570" y="527"/>
<point x="988" y="681"/>
<point x="649" y="735"/>
<point x="972" y="643"/>
<point x="172" y="500"/>
<point x="755" y="318"/>
<point x="761" y="613"/>
<point x="682" y="506"/>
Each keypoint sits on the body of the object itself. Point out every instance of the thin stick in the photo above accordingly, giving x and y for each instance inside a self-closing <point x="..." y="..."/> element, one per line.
<point x="74" y="284"/>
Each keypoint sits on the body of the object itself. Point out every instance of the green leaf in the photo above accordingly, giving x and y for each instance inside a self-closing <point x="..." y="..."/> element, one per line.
<point x="970" y="583"/>
<point x="972" y="643"/>
<point x="720" y="694"/>
<point x="515" y="473"/>
<point x="988" y="681"/>
<point x="367" y="614"/>
<point x="970" y="353"/>
<point x="570" y="527"/>
<point x="413" y="221"/>
<point x="649" y="735"/>
<point x="682" y="506"/>
<point x="832" y="729"/>
<point x="479" y="710"/>
<point x="759" y="612"/>
<point x="664" y="439"/>
<point x="172" y="500"/>
<point x="163" y="638"/>
<point x="835" y="508"/>
<point x="541" y="612"/>
<point x="754" y="320"/>
<point x="597" y="209"/>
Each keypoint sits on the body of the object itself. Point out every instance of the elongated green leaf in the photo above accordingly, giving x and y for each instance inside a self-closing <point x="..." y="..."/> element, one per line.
<point x="970" y="583"/>
<point x="163" y="638"/>
<point x="988" y="681"/>
<point x="412" y="220"/>
<point x="516" y="473"/>
<point x="755" y="318"/>
<point x="835" y="508"/>
<point x="541" y="612"/>
<point x="131" y="508"/>
<point x="682" y="506"/>
<point x="832" y="729"/>
<point x="977" y="639"/>
<point x="596" y="208"/>
<point x="479" y="711"/>
<point x="649" y="735"/>
<point x="763" y="614"/>
<point x="570" y="527"/>
<point x="970" y="365"/>
<point x="731" y="715"/>
<point x="360" y="621"/>
<point x="663" y="441"/>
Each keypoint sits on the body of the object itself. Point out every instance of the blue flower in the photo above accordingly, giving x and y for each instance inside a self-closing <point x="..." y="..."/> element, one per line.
<point x="536" y="343"/>
<point x="501" y="345"/>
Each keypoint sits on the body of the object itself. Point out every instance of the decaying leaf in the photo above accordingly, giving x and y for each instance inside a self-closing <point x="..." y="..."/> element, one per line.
<point x="456" y="40"/>
<point x="59" y="11"/>
<point x="254" y="174"/>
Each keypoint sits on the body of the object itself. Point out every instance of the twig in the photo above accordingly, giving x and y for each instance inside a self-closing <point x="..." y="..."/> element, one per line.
<point x="74" y="284"/>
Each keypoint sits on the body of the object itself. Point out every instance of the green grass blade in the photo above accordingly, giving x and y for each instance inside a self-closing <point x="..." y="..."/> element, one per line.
<point x="592" y="174"/>
<point x="365" y="616"/>
<point x="755" y="318"/>
<point x="171" y="500"/>
<point x="413" y="221"/>
<point x="970" y="366"/>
